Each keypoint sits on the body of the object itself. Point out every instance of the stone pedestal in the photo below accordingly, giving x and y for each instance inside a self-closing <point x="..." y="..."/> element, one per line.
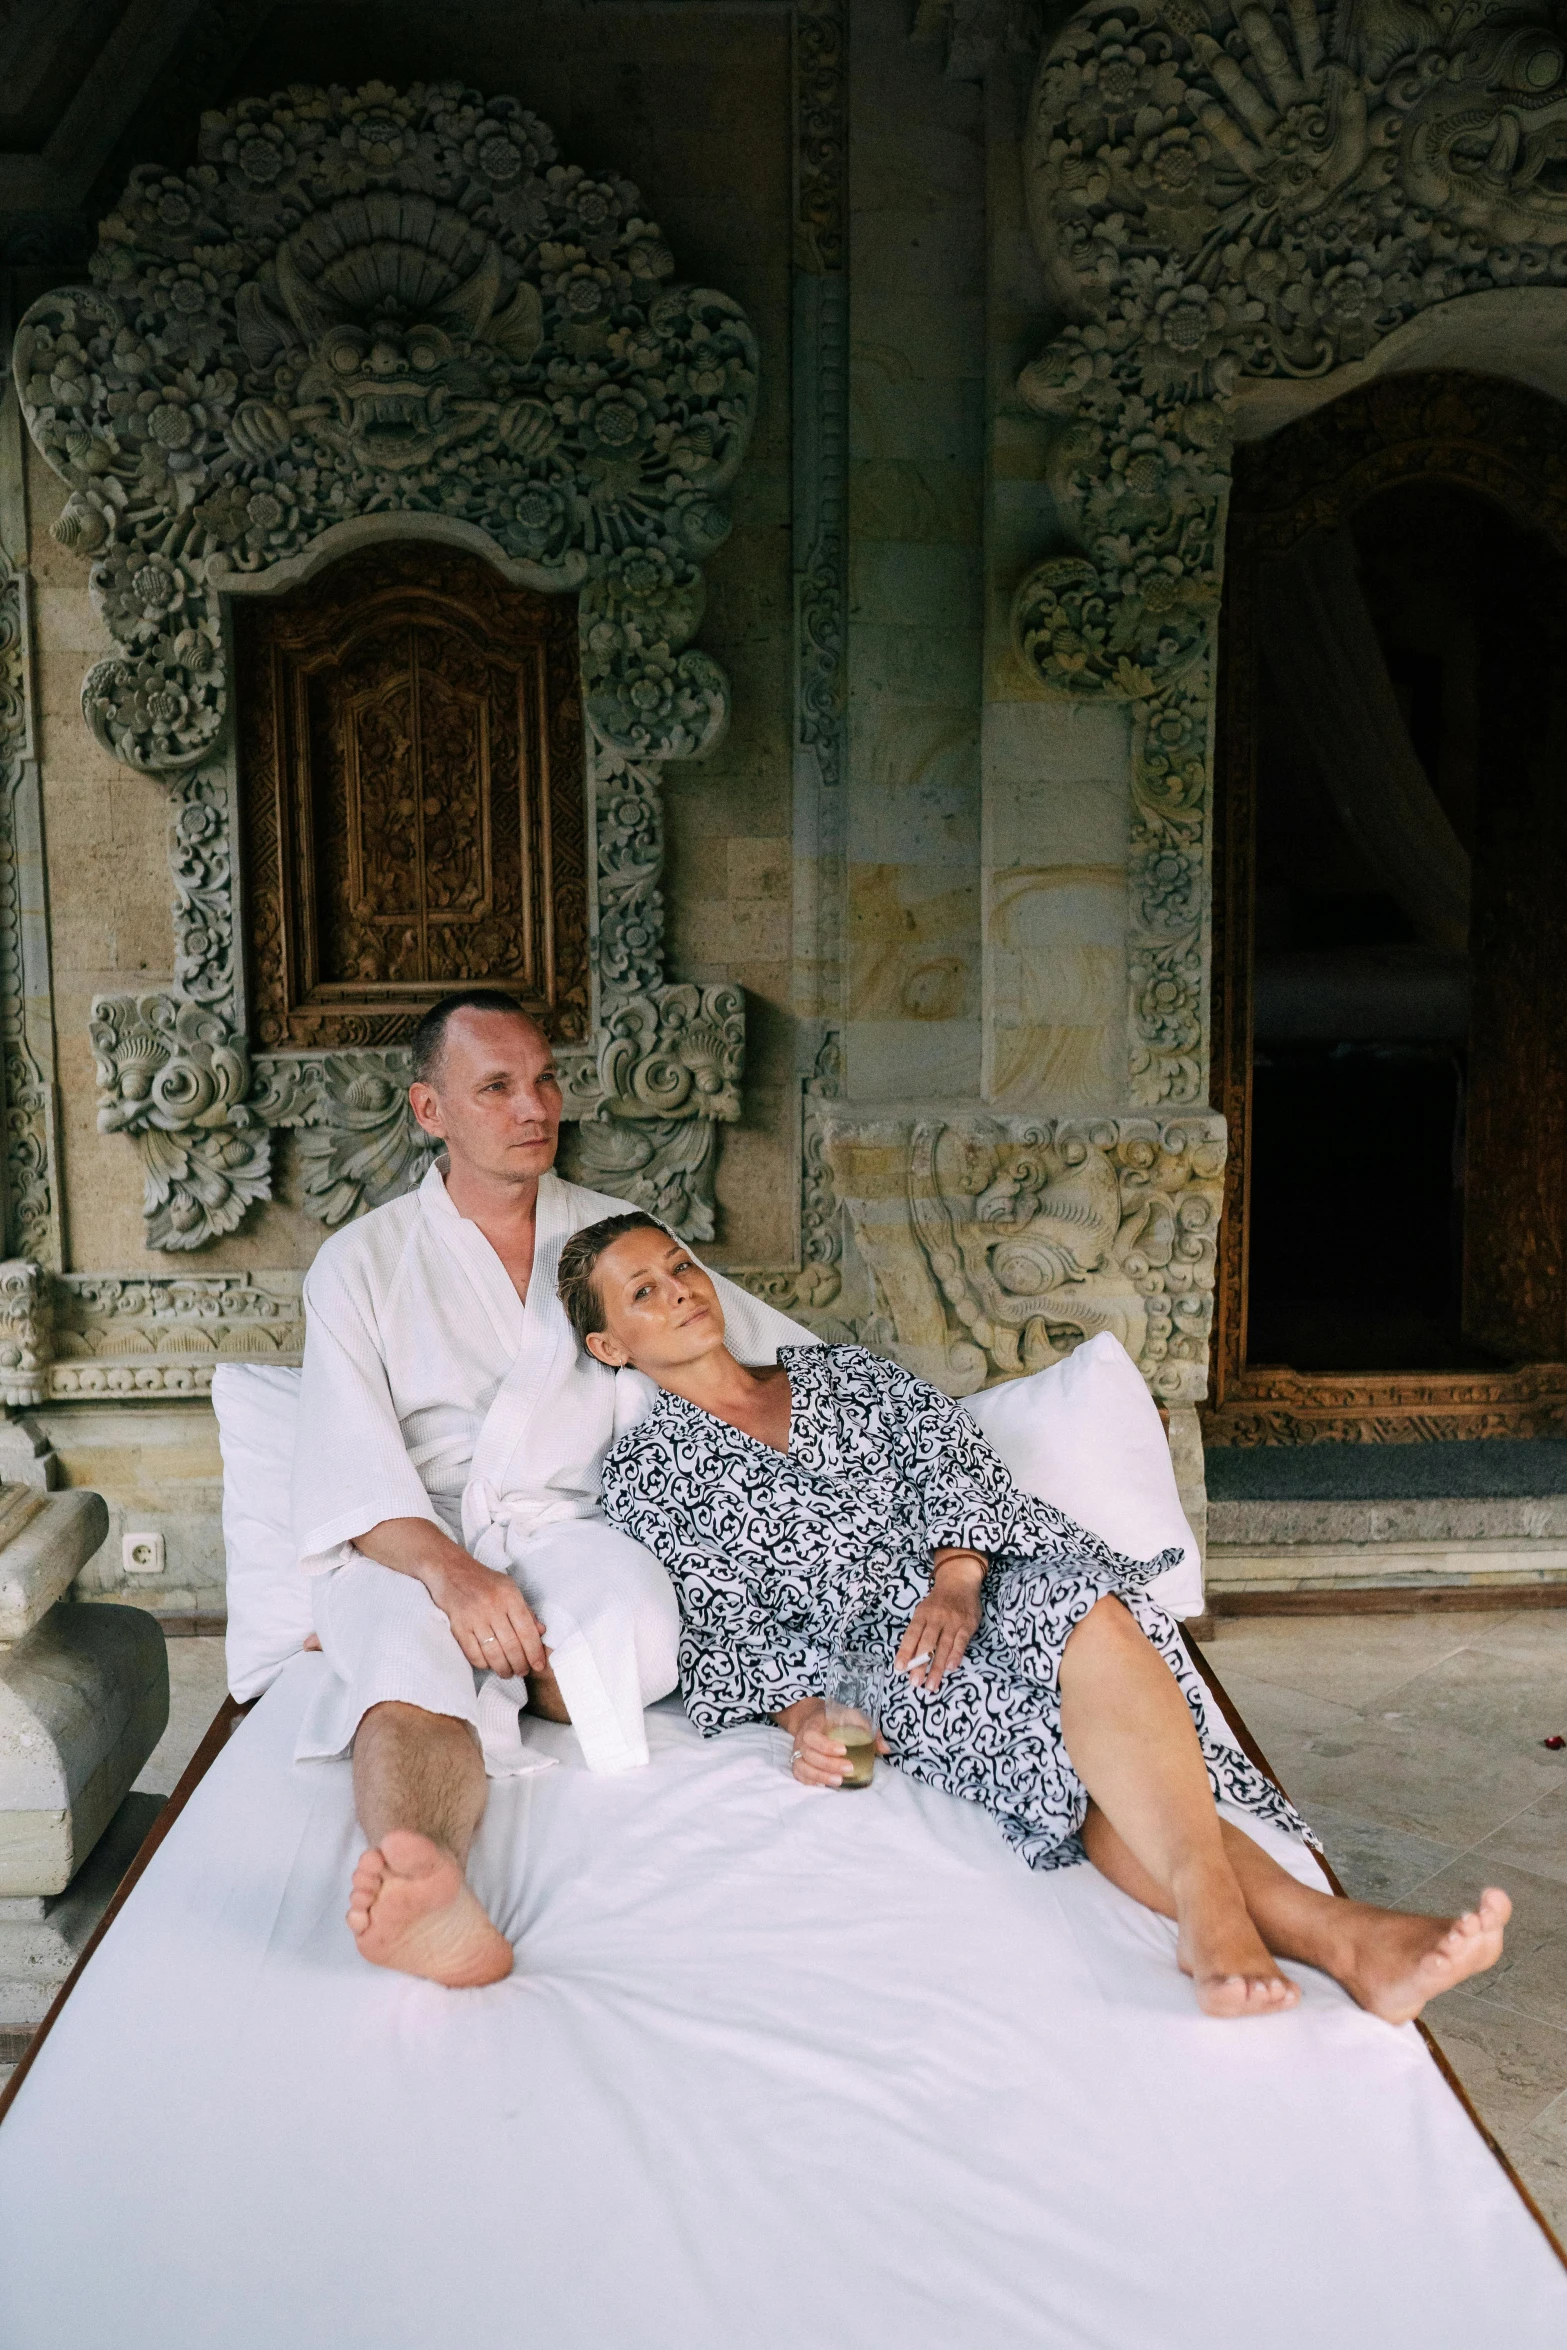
<point x="84" y="1695"/>
<point x="42" y="1935"/>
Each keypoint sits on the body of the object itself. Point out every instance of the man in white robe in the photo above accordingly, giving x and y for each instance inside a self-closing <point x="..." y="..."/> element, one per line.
<point x="446" y="1475"/>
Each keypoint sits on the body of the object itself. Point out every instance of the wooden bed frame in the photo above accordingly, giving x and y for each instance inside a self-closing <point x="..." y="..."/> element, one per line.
<point x="230" y="1714"/>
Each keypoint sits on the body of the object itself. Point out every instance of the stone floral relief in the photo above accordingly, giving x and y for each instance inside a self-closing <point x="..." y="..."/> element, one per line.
<point x="1240" y="192"/>
<point x="31" y="1204"/>
<point x="389" y="304"/>
<point x="995" y="1245"/>
<point x="114" y="1338"/>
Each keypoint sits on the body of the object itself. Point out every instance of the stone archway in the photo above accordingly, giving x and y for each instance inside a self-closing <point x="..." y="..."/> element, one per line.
<point x="1245" y="207"/>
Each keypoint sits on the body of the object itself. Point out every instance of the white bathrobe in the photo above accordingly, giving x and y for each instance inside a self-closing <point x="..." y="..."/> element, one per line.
<point x="431" y="1390"/>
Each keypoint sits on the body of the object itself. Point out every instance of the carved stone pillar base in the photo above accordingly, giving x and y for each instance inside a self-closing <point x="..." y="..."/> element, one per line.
<point x="84" y="1693"/>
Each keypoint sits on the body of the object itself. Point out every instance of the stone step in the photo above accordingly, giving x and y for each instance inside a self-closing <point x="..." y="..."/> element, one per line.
<point x="1506" y="1562"/>
<point x="1526" y="1519"/>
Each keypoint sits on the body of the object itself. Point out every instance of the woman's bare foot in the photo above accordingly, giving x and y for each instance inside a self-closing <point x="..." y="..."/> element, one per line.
<point x="1395" y="1962"/>
<point x="410" y="1908"/>
<point x="1220" y="1948"/>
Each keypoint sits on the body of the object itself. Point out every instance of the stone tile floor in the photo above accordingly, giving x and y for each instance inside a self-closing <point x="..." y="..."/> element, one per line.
<point x="1413" y="1745"/>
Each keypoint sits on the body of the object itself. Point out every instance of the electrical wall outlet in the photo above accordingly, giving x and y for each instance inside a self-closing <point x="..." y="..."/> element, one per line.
<point x="142" y="1554"/>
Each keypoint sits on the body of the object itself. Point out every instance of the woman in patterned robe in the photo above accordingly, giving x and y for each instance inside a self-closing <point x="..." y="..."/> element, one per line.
<point x="834" y="1499"/>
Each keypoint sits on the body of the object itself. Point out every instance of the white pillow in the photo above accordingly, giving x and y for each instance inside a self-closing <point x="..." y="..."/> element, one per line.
<point x="1086" y="1435"/>
<point x="269" y="1600"/>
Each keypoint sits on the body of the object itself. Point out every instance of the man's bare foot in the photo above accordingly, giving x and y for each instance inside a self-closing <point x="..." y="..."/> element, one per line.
<point x="1396" y="1962"/>
<point x="411" y="1909"/>
<point x="1222" y="1951"/>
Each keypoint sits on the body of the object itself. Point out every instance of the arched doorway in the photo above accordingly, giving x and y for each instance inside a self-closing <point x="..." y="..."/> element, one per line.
<point x="1390" y="968"/>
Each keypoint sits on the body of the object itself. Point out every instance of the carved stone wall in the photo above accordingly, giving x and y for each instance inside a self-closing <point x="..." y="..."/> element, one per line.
<point x="1231" y="195"/>
<point x="976" y="1248"/>
<point x="368" y="313"/>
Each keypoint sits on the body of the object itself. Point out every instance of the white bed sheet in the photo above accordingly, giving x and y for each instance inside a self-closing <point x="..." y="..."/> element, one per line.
<point x="775" y="2068"/>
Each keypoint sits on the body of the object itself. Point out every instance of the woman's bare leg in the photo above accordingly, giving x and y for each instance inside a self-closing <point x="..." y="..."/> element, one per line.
<point x="1154" y="1831"/>
<point x="1389" y="1961"/>
<point x="1134" y="1745"/>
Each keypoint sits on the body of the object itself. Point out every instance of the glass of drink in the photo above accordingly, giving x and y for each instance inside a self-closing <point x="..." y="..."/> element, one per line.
<point x="854" y="1711"/>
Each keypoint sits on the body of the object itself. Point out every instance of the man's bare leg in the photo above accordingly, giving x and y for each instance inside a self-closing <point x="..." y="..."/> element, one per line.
<point x="1134" y="1745"/>
<point x="1389" y="1961"/>
<point x="419" y="1790"/>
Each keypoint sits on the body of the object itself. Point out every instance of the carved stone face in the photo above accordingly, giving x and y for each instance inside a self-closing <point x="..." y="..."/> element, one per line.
<point x="395" y="396"/>
<point x="389" y="322"/>
<point x="1488" y="145"/>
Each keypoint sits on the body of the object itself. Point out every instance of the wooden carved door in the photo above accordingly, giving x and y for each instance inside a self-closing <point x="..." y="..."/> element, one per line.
<point x="1490" y="1355"/>
<point x="411" y="776"/>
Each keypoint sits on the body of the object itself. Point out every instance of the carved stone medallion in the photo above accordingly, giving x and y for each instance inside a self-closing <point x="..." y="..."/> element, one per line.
<point x="355" y="302"/>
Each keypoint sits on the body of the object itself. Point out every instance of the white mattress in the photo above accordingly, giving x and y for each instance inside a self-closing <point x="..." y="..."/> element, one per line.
<point x="775" y="2068"/>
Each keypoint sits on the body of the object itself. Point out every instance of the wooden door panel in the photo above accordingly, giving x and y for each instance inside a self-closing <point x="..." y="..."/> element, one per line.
<point x="412" y="779"/>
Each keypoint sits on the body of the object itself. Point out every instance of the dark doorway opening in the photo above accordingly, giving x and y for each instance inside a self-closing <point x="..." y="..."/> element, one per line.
<point x="1391" y="916"/>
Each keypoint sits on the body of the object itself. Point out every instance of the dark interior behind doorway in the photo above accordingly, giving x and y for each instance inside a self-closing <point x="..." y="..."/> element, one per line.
<point x="1399" y="706"/>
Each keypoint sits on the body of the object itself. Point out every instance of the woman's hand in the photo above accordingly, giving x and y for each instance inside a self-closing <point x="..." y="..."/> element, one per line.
<point x="945" y="1621"/>
<point x="819" y="1760"/>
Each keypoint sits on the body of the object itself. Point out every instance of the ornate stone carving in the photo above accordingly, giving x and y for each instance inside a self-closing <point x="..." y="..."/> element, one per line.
<point x="1259" y="191"/>
<point x="356" y="302"/>
<point x="32" y="1220"/>
<point x="173" y="1074"/>
<point x="358" y="1142"/>
<point x="1167" y="876"/>
<point x="393" y="305"/>
<point x="820" y="434"/>
<point x="996" y="1244"/>
<point x="26" y="1332"/>
<point x="73" y="1335"/>
<point x="1265" y="192"/>
<point x="665" y="1165"/>
<point x="814" y="1288"/>
<point x="669" y="1055"/>
<point x="821" y="74"/>
<point x="166" y="1335"/>
<point x="668" y="1072"/>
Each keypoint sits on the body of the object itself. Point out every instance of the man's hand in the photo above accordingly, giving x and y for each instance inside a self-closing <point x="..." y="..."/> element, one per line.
<point x="491" y="1622"/>
<point x="819" y="1759"/>
<point x="945" y="1621"/>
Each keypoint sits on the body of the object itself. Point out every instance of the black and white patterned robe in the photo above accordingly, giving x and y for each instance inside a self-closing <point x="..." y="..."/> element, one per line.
<point x="778" y="1558"/>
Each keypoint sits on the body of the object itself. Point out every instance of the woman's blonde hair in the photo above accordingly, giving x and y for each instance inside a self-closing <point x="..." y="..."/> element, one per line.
<point x="574" y="1283"/>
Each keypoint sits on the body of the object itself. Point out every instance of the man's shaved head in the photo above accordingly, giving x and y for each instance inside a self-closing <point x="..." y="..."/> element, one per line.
<point x="429" y="1038"/>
